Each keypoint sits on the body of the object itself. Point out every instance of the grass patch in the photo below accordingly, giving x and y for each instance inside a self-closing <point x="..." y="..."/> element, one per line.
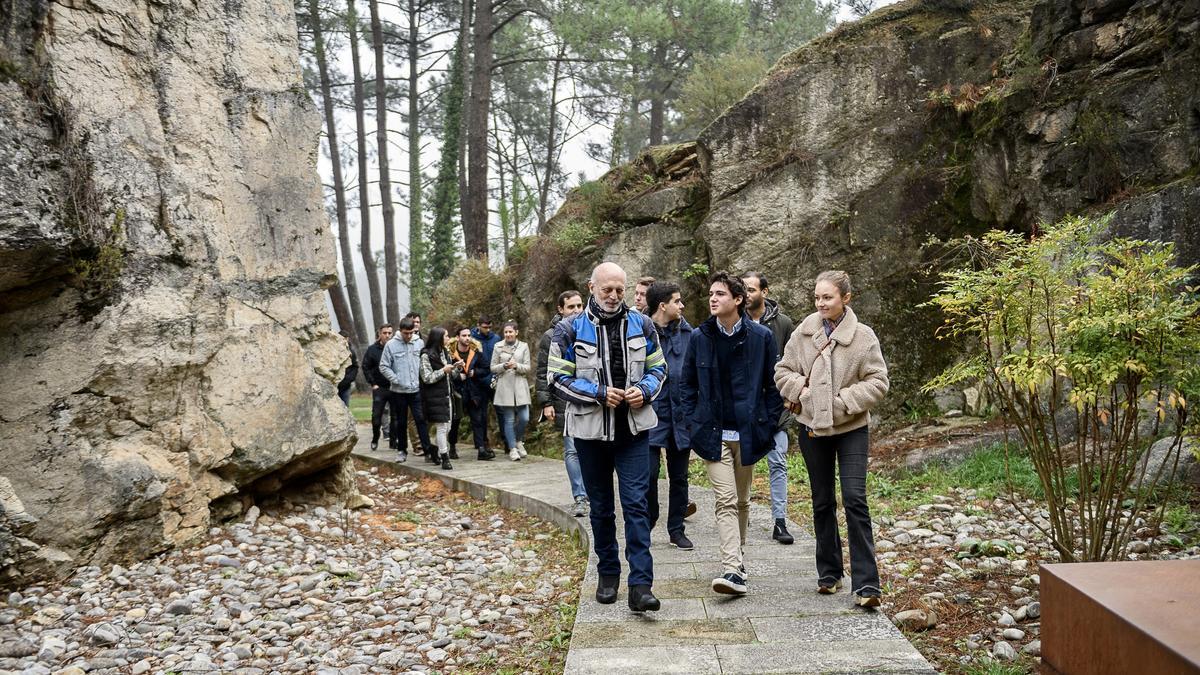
<point x="985" y="471"/>
<point x="991" y="666"/>
<point x="360" y="407"/>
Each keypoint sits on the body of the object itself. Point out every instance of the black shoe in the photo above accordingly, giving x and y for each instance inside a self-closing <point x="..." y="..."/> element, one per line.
<point x="642" y="600"/>
<point x="690" y="510"/>
<point x="781" y="533"/>
<point x="453" y="453"/>
<point x="730" y="584"/>
<point x="446" y="463"/>
<point x="403" y="457"/>
<point x="606" y="590"/>
<point x="374" y="445"/>
<point x="485" y="456"/>
<point x="681" y="542"/>
<point x="432" y="457"/>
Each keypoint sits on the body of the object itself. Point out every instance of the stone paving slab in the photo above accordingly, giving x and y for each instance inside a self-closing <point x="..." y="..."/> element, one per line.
<point x="821" y="627"/>
<point x="858" y="656"/>
<point x="698" y="660"/>
<point x="592" y="611"/>
<point x="663" y="633"/>
<point x="781" y="626"/>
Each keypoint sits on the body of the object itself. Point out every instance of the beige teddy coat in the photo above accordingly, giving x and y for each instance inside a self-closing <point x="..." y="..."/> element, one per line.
<point x="845" y="374"/>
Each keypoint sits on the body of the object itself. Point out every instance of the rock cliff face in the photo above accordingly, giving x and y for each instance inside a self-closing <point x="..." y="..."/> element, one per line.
<point x="165" y="351"/>
<point x="868" y="148"/>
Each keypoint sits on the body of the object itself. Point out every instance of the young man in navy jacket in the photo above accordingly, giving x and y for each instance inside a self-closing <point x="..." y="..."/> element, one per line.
<point x="733" y="408"/>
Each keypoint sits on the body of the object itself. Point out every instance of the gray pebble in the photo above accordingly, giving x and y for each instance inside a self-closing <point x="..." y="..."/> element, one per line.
<point x="1004" y="651"/>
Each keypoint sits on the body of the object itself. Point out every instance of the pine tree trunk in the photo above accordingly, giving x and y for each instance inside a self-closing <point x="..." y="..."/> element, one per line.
<point x="548" y="171"/>
<point x="443" y="249"/>
<point x="417" y="293"/>
<point x="475" y="219"/>
<point x="354" y="322"/>
<point x="464" y="56"/>
<point x="364" y="202"/>
<point x="391" y="267"/>
<point x="658" y="94"/>
<point x="341" y="311"/>
<point x="506" y="216"/>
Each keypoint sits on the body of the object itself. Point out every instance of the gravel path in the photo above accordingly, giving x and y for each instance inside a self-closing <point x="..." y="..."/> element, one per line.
<point x="425" y="580"/>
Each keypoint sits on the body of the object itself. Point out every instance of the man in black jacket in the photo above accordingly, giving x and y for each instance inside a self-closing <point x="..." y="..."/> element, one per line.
<point x="379" y="383"/>
<point x="554" y="409"/>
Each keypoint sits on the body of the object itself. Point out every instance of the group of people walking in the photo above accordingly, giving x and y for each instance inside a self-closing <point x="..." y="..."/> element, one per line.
<point x="630" y="387"/>
<point x="641" y="384"/>
<point x="443" y="378"/>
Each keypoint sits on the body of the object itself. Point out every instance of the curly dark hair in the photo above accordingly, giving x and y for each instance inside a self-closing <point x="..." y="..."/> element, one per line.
<point x="736" y="288"/>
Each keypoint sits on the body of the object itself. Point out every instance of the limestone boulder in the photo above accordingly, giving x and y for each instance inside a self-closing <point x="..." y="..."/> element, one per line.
<point x="167" y="355"/>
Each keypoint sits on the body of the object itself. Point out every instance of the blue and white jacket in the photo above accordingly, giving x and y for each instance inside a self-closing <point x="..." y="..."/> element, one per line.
<point x="579" y="372"/>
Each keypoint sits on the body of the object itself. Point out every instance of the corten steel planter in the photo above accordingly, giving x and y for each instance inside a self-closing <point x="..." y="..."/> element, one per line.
<point x="1121" y="618"/>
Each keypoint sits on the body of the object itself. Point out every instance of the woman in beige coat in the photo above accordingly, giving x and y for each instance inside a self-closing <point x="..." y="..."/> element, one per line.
<point x="831" y="375"/>
<point x="510" y="365"/>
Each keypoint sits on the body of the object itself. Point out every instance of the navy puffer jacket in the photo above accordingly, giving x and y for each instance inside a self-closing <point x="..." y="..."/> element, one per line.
<point x="673" y="339"/>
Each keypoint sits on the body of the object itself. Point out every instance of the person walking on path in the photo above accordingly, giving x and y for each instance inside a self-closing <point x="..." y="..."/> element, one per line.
<point x="729" y="397"/>
<point x="347" y="383"/>
<point x="473" y="390"/>
<point x="570" y="304"/>
<point x="438" y="373"/>
<point x="488" y="340"/>
<point x="379" y="384"/>
<point x="832" y="374"/>
<point x="401" y="365"/>
<point x="763" y="310"/>
<point x="510" y="366"/>
<point x="671" y="435"/>
<point x="607" y="365"/>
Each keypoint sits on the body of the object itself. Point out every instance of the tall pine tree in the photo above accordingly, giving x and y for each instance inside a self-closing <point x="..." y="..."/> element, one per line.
<point x="442" y="253"/>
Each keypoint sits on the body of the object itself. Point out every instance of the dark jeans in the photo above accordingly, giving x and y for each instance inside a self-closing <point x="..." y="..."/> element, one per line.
<point x="677" y="485"/>
<point x="401" y="404"/>
<point x="477" y="412"/>
<point x="848" y="452"/>
<point x="628" y="456"/>
<point x="379" y="401"/>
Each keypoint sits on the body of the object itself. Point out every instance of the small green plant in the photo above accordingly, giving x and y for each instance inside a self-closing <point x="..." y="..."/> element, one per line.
<point x="1096" y="134"/>
<point x="1072" y="332"/>
<point x="696" y="270"/>
<point x="990" y="666"/>
<point x="98" y="274"/>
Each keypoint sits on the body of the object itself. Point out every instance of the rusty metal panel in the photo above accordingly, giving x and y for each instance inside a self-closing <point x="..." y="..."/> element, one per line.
<point x="1121" y="618"/>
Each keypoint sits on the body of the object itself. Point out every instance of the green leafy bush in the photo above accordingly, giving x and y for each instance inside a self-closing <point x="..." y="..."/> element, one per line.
<point x="1088" y="347"/>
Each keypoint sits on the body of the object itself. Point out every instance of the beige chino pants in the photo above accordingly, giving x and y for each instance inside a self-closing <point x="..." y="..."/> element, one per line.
<point x="731" y="484"/>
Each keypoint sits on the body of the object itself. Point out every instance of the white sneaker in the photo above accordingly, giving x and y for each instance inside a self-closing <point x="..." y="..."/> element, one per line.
<point x="514" y="455"/>
<point x="521" y="449"/>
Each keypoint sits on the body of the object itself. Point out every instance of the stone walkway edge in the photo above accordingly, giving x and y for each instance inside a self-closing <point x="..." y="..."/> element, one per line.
<point x="781" y="626"/>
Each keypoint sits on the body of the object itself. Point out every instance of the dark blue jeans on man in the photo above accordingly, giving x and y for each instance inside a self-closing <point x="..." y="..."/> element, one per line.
<point x="677" y="485"/>
<point x="848" y="452"/>
<point x="628" y="457"/>
<point x="401" y="403"/>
